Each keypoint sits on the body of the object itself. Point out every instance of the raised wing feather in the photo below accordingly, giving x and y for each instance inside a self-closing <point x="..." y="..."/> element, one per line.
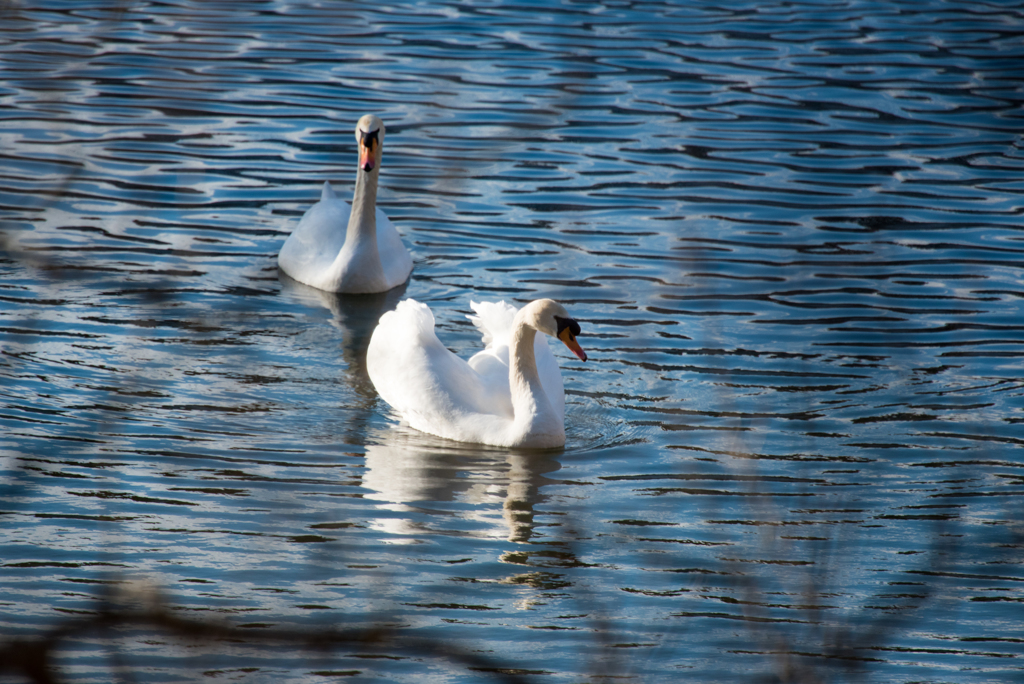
<point x="425" y="382"/>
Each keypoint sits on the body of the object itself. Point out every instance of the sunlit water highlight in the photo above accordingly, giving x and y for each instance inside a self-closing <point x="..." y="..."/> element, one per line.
<point x="790" y="231"/>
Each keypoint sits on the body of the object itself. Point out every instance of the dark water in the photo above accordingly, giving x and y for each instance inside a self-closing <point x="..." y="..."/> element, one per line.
<point x="791" y="232"/>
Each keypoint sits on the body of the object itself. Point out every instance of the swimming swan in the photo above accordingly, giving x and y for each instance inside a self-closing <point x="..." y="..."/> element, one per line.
<point x="510" y="394"/>
<point x="366" y="257"/>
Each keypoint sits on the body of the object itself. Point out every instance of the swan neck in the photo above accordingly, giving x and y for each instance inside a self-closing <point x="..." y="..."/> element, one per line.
<point x="528" y="396"/>
<point x="362" y="222"/>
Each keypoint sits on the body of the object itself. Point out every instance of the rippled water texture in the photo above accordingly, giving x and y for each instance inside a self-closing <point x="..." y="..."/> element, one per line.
<point x="791" y="232"/>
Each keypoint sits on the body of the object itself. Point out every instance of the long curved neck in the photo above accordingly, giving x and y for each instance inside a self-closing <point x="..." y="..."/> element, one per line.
<point x="362" y="222"/>
<point x="530" y="404"/>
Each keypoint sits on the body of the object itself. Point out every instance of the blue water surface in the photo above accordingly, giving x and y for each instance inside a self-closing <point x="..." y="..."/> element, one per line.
<point x="790" y="232"/>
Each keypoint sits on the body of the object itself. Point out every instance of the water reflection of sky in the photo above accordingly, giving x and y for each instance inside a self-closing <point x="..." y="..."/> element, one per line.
<point x="790" y="233"/>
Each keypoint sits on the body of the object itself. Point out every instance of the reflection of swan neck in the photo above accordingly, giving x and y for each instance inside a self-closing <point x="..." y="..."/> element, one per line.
<point x="530" y="404"/>
<point x="362" y="222"/>
<point x="523" y="491"/>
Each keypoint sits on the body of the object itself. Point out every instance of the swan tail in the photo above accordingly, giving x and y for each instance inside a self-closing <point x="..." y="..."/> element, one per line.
<point x="328" y="193"/>
<point x="494" y="320"/>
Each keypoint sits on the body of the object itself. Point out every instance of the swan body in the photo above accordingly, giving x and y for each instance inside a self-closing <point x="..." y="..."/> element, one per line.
<point x="342" y="248"/>
<point x="509" y="394"/>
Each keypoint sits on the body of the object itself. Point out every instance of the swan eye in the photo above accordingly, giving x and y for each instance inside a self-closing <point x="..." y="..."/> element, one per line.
<point x="567" y="323"/>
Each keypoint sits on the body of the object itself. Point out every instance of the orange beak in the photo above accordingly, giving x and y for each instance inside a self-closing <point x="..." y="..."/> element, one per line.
<point x="366" y="158"/>
<point x="570" y="341"/>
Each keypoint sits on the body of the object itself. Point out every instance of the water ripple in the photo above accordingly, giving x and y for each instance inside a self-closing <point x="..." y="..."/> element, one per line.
<point x="790" y="233"/>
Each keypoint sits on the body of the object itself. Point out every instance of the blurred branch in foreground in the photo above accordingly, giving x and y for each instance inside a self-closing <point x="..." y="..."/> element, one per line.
<point x="138" y="606"/>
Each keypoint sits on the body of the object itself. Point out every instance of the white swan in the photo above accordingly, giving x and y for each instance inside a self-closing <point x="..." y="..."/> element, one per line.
<point x="342" y="249"/>
<point x="510" y="394"/>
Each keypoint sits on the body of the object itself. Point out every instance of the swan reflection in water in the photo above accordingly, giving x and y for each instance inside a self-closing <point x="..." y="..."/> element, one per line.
<point x="355" y="316"/>
<point x="404" y="466"/>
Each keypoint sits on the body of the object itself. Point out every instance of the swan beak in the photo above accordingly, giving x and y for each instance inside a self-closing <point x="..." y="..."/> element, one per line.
<point x="369" y="147"/>
<point x="366" y="157"/>
<point x="569" y="340"/>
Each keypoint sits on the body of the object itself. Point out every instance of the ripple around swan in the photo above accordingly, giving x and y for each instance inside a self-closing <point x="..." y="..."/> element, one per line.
<point x="789" y="231"/>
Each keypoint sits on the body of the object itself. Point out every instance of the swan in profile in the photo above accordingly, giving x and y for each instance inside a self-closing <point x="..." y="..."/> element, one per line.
<point x="342" y="249"/>
<point x="509" y="394"/>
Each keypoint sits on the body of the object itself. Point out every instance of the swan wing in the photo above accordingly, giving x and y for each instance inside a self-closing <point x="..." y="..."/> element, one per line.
<point x="310" y="250"/>
<point x="393" y="254"/>
<point x="429" y="386"/>
<point x="494" y="321"/>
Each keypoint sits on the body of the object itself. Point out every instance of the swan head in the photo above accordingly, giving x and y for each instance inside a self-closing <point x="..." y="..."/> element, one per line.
<point x="550" y="317"/>
<point x="370" y="136"/>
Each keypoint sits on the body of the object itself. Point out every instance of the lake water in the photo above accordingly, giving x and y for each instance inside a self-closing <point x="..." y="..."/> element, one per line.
<point x="791" y="232"/>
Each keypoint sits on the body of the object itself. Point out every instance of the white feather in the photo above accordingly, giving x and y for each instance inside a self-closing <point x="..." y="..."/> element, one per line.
<point x="437" y="392"/>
